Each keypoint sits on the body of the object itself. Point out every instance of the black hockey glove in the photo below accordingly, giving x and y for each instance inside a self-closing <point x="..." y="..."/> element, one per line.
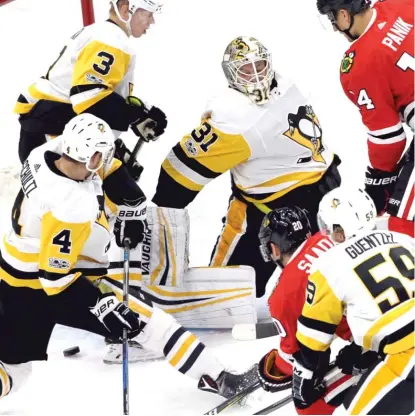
<point x="270" y="377"/>
<point x="123" y="154"/>
<point x="133" y="230"/>
<point x="351" y="359"/>
<point x="115" y="316"/>
<point x="307" y="386"/>
<point x="379" y="185"/>
<point x="151" y="122"/>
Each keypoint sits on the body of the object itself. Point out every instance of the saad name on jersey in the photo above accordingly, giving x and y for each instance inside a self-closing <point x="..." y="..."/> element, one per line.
<point x="397" y="34"/>
<point x="323" y="246"/>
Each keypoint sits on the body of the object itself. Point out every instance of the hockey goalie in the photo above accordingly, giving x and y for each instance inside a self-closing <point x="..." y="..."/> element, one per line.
<point x="200" y="297"/>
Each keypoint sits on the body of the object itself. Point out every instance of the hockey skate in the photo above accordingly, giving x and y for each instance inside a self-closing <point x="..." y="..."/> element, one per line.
<point x="228" y="384"/>
<point x="136" y="353"/>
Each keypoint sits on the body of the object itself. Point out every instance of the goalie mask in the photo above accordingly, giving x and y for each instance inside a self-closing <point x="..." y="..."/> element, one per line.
<point x="86" y="135"/>
<point x="248" y="68"/>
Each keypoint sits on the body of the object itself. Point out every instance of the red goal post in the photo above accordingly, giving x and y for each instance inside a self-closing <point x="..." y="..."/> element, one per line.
<point x="87" y="7"/>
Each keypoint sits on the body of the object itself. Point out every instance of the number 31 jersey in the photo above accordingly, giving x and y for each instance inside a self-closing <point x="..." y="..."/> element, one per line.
<point x="370" y="277"/>
<point x="270" y="149"/>
<point x="377" y="75"/>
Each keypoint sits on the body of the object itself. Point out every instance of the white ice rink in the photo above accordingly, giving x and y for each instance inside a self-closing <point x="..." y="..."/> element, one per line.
<point x="178" y="69"/>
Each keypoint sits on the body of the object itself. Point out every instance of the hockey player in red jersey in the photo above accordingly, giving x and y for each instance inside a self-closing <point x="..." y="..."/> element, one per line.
<point x="286" y="239"/>
<point x="377" y="75"/>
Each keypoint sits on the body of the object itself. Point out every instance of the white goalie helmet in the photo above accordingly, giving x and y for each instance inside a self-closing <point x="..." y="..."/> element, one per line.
<point x="133" y="5"/>
<point x="351" y="209"/>
<point x="85" y="135"/>
<point x="248" y="68"/>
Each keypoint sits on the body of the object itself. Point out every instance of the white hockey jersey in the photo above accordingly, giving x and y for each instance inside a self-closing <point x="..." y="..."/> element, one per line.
<point x="60" y="228"/>
<point x="370" y="277"/>
<point x="99" y="54"/>
<point x="270" y="149"/>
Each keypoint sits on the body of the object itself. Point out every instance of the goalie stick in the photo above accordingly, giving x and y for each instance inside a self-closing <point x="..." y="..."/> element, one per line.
<point x="126" y="400"/>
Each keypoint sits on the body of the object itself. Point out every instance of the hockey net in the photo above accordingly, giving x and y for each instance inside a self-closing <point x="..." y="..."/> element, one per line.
<point x="9" y="175"/>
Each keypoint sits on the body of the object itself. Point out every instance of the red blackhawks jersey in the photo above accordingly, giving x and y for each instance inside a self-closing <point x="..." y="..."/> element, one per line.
<point x="377" y="74"/>
<point x="287" y="300"/>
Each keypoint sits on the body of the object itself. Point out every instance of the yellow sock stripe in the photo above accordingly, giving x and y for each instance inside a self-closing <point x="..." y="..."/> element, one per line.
<point x="183" y="349"/>
<point x="212" y="302"/>
<point x="171" y="249"/>
<point x="5" y="381"/>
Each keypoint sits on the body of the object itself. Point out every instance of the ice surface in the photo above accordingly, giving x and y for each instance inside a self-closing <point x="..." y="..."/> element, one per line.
<point x="178" y="69"/>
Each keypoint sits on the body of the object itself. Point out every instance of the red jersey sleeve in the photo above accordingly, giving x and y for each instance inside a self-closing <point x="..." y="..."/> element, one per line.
<point x="368" y="88"/>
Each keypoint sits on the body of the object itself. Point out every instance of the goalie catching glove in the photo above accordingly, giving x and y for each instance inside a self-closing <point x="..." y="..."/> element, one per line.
<point x="150" y="121"/>
<point x="116" y="317"/>
<point x="270" y="377"/>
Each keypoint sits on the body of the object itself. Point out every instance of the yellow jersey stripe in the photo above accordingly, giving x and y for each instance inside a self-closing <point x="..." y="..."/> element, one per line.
<point x="179" y="178"/>
<point x="20" y="255"/>
<point x="393" y="314"/>
<point x="35" y="93"/>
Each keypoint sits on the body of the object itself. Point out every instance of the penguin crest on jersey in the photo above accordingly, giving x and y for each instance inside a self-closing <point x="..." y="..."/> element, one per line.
<point x="305" y="129"/>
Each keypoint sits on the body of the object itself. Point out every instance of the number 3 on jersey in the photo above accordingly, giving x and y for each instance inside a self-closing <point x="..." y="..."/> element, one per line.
<point x="63" y="240"/>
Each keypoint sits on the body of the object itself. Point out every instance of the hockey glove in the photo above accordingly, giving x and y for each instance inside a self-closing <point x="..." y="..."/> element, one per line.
<point x="379" y="185"/>
<point x="133" y="230"/>
<point x="270" y="377"/>
<point x="307" y="387"/>
<point x="351" y="359"/>
<point x="131" y="222"/>
<point x="151" y="122"/>
<point x="116" y="317"/>
<point x="123" y="154"/>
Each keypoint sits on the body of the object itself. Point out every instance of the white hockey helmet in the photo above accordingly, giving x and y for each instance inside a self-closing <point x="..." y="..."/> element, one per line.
<point x="248" y="68"/>
<point x="351" y="209"/>
<point x="85" y="135"/>
<point x="153" y="6"/>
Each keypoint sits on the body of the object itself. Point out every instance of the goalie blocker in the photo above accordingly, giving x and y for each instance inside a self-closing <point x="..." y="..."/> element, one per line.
<point x="202" y="297"/>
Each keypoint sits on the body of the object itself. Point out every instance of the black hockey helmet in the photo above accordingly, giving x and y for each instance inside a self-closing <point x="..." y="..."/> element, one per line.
<point x="353" y="6"/>
<point x="286" y="227"/>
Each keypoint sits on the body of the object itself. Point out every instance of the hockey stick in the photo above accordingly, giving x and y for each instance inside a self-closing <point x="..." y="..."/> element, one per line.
<point x="126" y="400"/>
<point x="234" y="399"/>
<point x="275" y="406"/>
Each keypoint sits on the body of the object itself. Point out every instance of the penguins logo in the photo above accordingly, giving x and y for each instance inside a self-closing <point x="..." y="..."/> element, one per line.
<point x="241" y="48"/>
<point x="306" y="131"/>
<point x="101" y="128"/>
<point x="335" y="203"/>
<point x="347" y="62"/>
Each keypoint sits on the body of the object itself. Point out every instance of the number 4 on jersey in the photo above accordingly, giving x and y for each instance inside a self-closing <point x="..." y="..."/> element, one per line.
<point x="365" y="100"/>
<point x="63" y="240"/>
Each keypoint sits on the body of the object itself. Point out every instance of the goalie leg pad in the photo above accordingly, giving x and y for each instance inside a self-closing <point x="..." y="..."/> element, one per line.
<point x="181" y="348"/>
<point x="210" y="297"/>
